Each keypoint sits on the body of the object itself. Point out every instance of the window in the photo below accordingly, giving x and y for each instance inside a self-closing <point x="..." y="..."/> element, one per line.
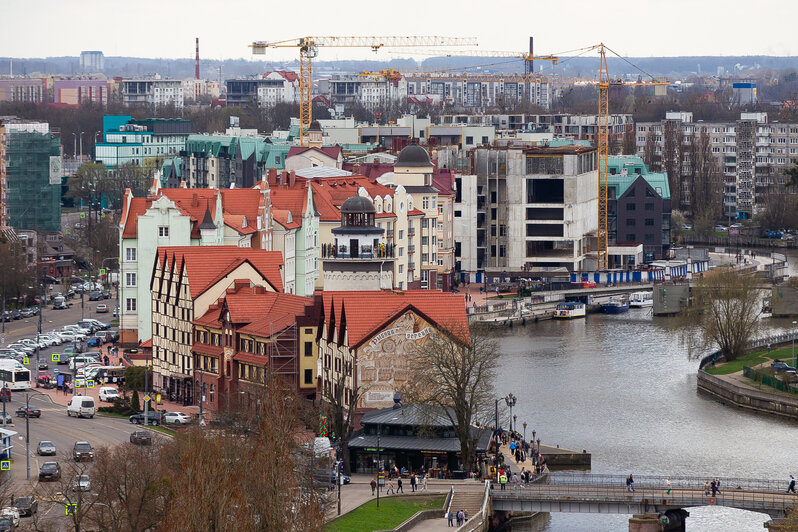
<point x="469" y="140"/>
<point x="631" y="222"/>
<point x="484" y="140"/>
<point x="401" y="234"/>
<point x="425" y="202"/>
<point x="440" y="261"/>
<point x="649" y="221"/>
<point x="130" y="304"/>
<point x="631" y="207"/>
<point x="458" y="214"/>
<point x="308" y="376"/>
<point x="163" y="231"/>
<point x="130" y="254"/>
<point x="630" y="236"/>
<point x="649" y="206"/>
<point x="130" y="279"/>
<point x="308" y="349"/>
<point x="440" y="226"/>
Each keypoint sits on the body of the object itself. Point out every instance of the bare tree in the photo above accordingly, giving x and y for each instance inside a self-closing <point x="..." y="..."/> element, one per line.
<point x="341" y="397"/>
<point x="707" y="186"/>
<point x="650" y="150"/>
<point x="779" y="210"/>
<point x="671" y="161"/>
<point x="629" y="144"/>
<point x="454" y="374"/>
<point x="68" y="497"/>
<point x="724" y="312"/>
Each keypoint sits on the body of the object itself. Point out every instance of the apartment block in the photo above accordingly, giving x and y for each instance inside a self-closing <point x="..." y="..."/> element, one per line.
<point x="31" y="90"/>
<point x="270" y="89"/>
<point x="751" y="153"/>
<point x="478" y="91"/>
<point x="152" y="91"/>
<point x="79" y="91"/>
<point x="133" y="141"/>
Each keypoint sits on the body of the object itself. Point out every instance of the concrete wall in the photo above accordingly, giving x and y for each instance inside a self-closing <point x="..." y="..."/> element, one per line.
<point x="747" y="398"/>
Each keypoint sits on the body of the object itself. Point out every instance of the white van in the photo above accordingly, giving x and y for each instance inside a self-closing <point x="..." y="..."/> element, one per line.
<point x="81" y="406"/>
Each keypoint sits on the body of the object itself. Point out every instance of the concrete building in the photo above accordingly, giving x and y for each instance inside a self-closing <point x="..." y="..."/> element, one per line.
<point x="155" y="91"/>
<point x="370" y="91"/>
<point x="186" y="281"/>
<point x="536" y="208"/>
<point x="30" y="90"/>
<point x="478" y="91"/>
<point x="270" y="89"/>
<point x="751" y="153"/>
<point x="31" y="194"/>
<point x="638" y="210"/>
<point x="133" y="141"/>
<point x="181" y="217"/>
<point x="79" y="91"/>
<point x="92" y="61"/>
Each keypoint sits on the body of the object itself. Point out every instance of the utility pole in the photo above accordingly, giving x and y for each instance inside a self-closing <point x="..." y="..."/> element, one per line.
<point x="146" y="388"/>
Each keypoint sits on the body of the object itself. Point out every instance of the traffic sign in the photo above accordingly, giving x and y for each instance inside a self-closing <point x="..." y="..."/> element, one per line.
<point x="55" y="357"/>
<point x="90" y="384"/>
<point x="5" y="465"/>
<point x="55" y="371"/>
<point x="70" y="508"/>
<point x="102" y="271"/>
<point x="158" y="398"/>
<point x="146" y="398"/>
<point x="25" y="360"/>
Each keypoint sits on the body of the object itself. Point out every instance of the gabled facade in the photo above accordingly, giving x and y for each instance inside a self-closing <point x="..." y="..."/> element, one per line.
<point x="366" y="337"/>
<point x="181" y="217"/>
<point x="186" y="281"/>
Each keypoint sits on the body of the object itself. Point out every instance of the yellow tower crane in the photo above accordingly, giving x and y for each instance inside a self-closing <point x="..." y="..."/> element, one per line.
<point x="309" y="49"/>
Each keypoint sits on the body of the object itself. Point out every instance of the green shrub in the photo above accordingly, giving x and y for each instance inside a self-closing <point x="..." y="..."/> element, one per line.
<point x="134" y="402"/>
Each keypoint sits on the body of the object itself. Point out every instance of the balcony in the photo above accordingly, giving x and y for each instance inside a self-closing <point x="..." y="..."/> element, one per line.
<point x="411" y="231"/>
<point x="389" y="233"/>
<point x="411" y="248"/>
<point x="411" y="266"/>
<point x="384" y="251"/>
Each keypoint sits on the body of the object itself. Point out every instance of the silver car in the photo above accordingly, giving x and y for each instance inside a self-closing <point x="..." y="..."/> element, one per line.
<point x="46" y="448"/>
<point x="81" y="483"/>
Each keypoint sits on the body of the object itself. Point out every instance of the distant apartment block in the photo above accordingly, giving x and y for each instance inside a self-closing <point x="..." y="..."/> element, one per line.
<point x="479" y="91"/>
<point x="153" y="91"/>
<point x="31" y="90"/>
<point x="79" y="91"/>
<point x="565" y="125"/>
<point x="752" y="155"/>
<point x="271" y="89"/>
<point x="92" y="61"/>
<point x="132" y="141"/>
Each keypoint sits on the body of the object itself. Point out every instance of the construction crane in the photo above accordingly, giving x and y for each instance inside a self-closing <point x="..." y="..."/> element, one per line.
<point x="604" y="84"/>
<point x="309" y="49"/>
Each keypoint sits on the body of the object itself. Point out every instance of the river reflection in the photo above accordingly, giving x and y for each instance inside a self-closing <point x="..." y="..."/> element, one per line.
<point x="622" y="387"/>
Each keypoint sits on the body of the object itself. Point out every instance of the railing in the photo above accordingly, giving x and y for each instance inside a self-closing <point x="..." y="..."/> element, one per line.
<point x="448" y="503"/>
<point x="411" y="266"/>
<point x="389" y="233"/>
<point x="411" y="231"/>
<point x="762" y="494"/>
<point x="477" y="522"/>
<point x="330" y="251"/>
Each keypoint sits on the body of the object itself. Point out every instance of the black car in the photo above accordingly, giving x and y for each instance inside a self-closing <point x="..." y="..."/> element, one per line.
<point x="105" y="294"/>
<point x="15" y="314"/>
<point x="26" y="313"/>
<point x="49" y="471"/>
<point x="155" y="418"/>
<point x="83" y="451"/>
<point x="30" y="412"/>
<point x="26" y="506"/>
<point x="94" y="296"/>
<point x="778" y="365"/>
<point x="141" y="437"/>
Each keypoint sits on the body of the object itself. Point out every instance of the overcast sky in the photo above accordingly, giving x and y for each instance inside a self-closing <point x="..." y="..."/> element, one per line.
<point x="167" y="28"/>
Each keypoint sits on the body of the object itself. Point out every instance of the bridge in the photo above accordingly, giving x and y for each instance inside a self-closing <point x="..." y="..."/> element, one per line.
<point x="590" y="493"/>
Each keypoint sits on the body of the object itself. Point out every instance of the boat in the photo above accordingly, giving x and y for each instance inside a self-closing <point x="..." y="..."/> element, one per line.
<point x="616" y="305"/>
<point x="569" y="310"/>
<point x="641" y="299"/>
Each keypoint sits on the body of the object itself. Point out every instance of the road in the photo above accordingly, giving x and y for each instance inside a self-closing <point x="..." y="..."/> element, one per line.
<point x="55" y="319"/>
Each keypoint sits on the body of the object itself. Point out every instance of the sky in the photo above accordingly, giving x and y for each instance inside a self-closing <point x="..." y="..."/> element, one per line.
<point x="167" y="28"/>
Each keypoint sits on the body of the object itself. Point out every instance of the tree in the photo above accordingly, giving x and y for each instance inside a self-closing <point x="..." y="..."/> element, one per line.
<point x="724" y="312"/>
<point x="77" y="504"/>
<point x="779" y="210"/>
<point x="650" y="150"/>
<point x="792" y="173"/>
<point x="454" y="374"/>
<point x="671" y="161"/>
<point x="706" y="185"/>
<point x="135" y="405"/>
<point x="342" y="411"/>
<point x="629" y="144"/>
<point x="14" y="272"/>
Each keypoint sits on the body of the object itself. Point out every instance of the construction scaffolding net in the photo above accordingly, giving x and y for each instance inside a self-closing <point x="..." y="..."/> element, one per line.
<point x="32" y="202"/>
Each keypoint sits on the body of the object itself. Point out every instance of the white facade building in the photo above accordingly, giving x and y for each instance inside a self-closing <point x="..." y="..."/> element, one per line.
<point x="153" y="91"/>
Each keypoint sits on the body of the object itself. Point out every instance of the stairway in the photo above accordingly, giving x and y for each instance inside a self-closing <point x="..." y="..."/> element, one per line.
<point x="468" y="500"/>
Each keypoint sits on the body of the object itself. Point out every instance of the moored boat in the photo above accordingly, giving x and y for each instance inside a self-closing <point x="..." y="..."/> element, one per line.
<point x="569" y="310"/>
<point x="616" y="305"/>
<point x="641" y="299"/>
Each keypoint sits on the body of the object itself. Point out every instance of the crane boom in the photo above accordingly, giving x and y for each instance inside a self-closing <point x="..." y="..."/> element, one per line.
<point x="309" y="49"/>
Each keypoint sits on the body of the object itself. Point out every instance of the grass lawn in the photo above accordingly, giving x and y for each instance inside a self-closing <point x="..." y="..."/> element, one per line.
<point x="391" y="513"/>
<point x="751" y="360"/>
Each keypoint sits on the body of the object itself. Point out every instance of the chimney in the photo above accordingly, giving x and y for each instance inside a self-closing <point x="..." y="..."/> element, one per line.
<point x="282" y="178"/>
<point x="292" y="179"/>
<point x="195" y="200"/>
<point x="260" y="290"/>
<point x="272" y="179"/>
<point x="196" y="60"/>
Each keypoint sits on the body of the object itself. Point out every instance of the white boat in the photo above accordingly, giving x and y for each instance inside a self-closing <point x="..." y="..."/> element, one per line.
<point x="641" y="299"/>
<point x="569" y="310"/>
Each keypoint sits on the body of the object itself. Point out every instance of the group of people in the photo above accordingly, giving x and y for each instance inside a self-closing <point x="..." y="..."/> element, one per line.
<point x="461" y="516"/>
<point x="713" y="487"/>
<point x="417" y="482"/>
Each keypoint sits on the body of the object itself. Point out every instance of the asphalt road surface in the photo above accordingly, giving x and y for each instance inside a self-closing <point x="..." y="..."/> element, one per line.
<point x="56" y="319"/>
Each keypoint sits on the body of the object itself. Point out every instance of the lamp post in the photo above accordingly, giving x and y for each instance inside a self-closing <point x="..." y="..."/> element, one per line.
<point x="27" y="428"/>
<point x="524" y="425"/>
<point x="379" y="469"/>
<point x="510" y="400"/>
<point x="793" y="342"/>
<point x="538" y="449"/>
<point x="515" y="421"/>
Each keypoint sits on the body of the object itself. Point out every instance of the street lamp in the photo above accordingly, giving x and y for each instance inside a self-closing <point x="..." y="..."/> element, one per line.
<point x="515" y="422"/>
<point x="793" y="343"/>
<point x="510" y="399"/>
<point x="524" y="431"/>
<point x="27" y="428"/>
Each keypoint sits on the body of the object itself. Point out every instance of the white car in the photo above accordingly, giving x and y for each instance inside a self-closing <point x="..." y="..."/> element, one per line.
<point x="33" y="344"/>
<point x="177" y="417"/>
<point x="51" y="339"/>
<point x="66" y="336"/>
<point x="11" y="513"/>
<point x="108" y="394"/>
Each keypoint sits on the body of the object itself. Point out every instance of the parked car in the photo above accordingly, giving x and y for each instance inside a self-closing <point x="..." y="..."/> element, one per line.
<point x="94" y="296"/>
<point x="81" y="483"/>
<point x="82" y="451"/>
<point x="105" y="294"/>
<point x="45" y="448"/>
<point x="9" y="512"/>
<point x="778" y="365"/>
<point x="26" y="313"/>
<point x="22" y="347"/>
<point x="154" y="418"/>
<point x="26" y="505"/>
<point x="102" y="308"/>
<point x="16" y="314"/>
<point x="94" y="341"/>
<point x="140" y="437"/>
<point x="176" y="417"/>
<point x="721" y="228"/>
<point x="108" y="394"/>
<point x="49" y="471"/>
<point x="9" y="419"/>
<point x="29" y="412"/>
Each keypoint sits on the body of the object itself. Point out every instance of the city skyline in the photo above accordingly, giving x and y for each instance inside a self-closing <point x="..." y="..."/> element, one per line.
<point x="43" y="29"/>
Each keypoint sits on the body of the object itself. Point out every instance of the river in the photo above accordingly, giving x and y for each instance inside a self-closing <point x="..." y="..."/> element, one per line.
<point x="622" y="387"/>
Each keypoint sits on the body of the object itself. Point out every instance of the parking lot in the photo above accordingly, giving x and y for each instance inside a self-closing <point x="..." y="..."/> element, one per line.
<point x="55" y="319"/>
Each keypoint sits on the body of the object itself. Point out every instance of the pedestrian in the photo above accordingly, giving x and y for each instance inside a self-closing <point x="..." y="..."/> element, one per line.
<point x="399" y="485"/>
<point x="502" y="479"/>
<point x="668" y="484"/>
<point x="717" y="485"/>
<point x="424" y="483"/>
<point x="714" y="487"/>
<point x="390" y="487"/>
<point x="630" y="483"/>
<point x="413" y="483"/>
<point x="373" y="486"/>
<point x="706" y="487"/>
<point x="465" y="516"/>
<point x="790" y="487"/>
<point x="459" y="516"/>
<point x="451" y="518"/>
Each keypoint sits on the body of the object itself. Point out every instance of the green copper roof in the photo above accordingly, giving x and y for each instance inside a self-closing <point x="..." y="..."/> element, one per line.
<point x="634" y="166"/>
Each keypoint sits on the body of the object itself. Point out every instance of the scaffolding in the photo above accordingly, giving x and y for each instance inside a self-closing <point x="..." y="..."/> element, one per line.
<point x="283" y="351"/>
<point x="32" y="202"/>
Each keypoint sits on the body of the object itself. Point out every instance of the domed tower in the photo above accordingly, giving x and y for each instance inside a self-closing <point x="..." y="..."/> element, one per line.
<point x="413" y="167"/>
<point x="360" y="259"/>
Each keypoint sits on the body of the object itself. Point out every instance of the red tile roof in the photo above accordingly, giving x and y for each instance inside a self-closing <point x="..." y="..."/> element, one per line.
<point x="281" y="217"/>
<point x="370" y="170"/>
<point x="285" y="200"/>
<point x="442" y="180"/>
<point x="146" y="343"/>
<point x="287" y="75"/>
<point x="330" y="151"/>
<point x="365" y="313"/>
<point x="330" y="193"/>
<point x="206" y="265"/>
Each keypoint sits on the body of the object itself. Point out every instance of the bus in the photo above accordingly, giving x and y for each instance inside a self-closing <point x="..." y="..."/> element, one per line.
<point x="14" y="375"/>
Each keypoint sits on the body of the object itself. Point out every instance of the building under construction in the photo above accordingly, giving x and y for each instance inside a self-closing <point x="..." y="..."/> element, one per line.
<point x="32" y="192"/>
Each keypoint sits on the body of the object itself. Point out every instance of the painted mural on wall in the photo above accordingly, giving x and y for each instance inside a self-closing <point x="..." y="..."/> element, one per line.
<point x="384" y="361"/>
